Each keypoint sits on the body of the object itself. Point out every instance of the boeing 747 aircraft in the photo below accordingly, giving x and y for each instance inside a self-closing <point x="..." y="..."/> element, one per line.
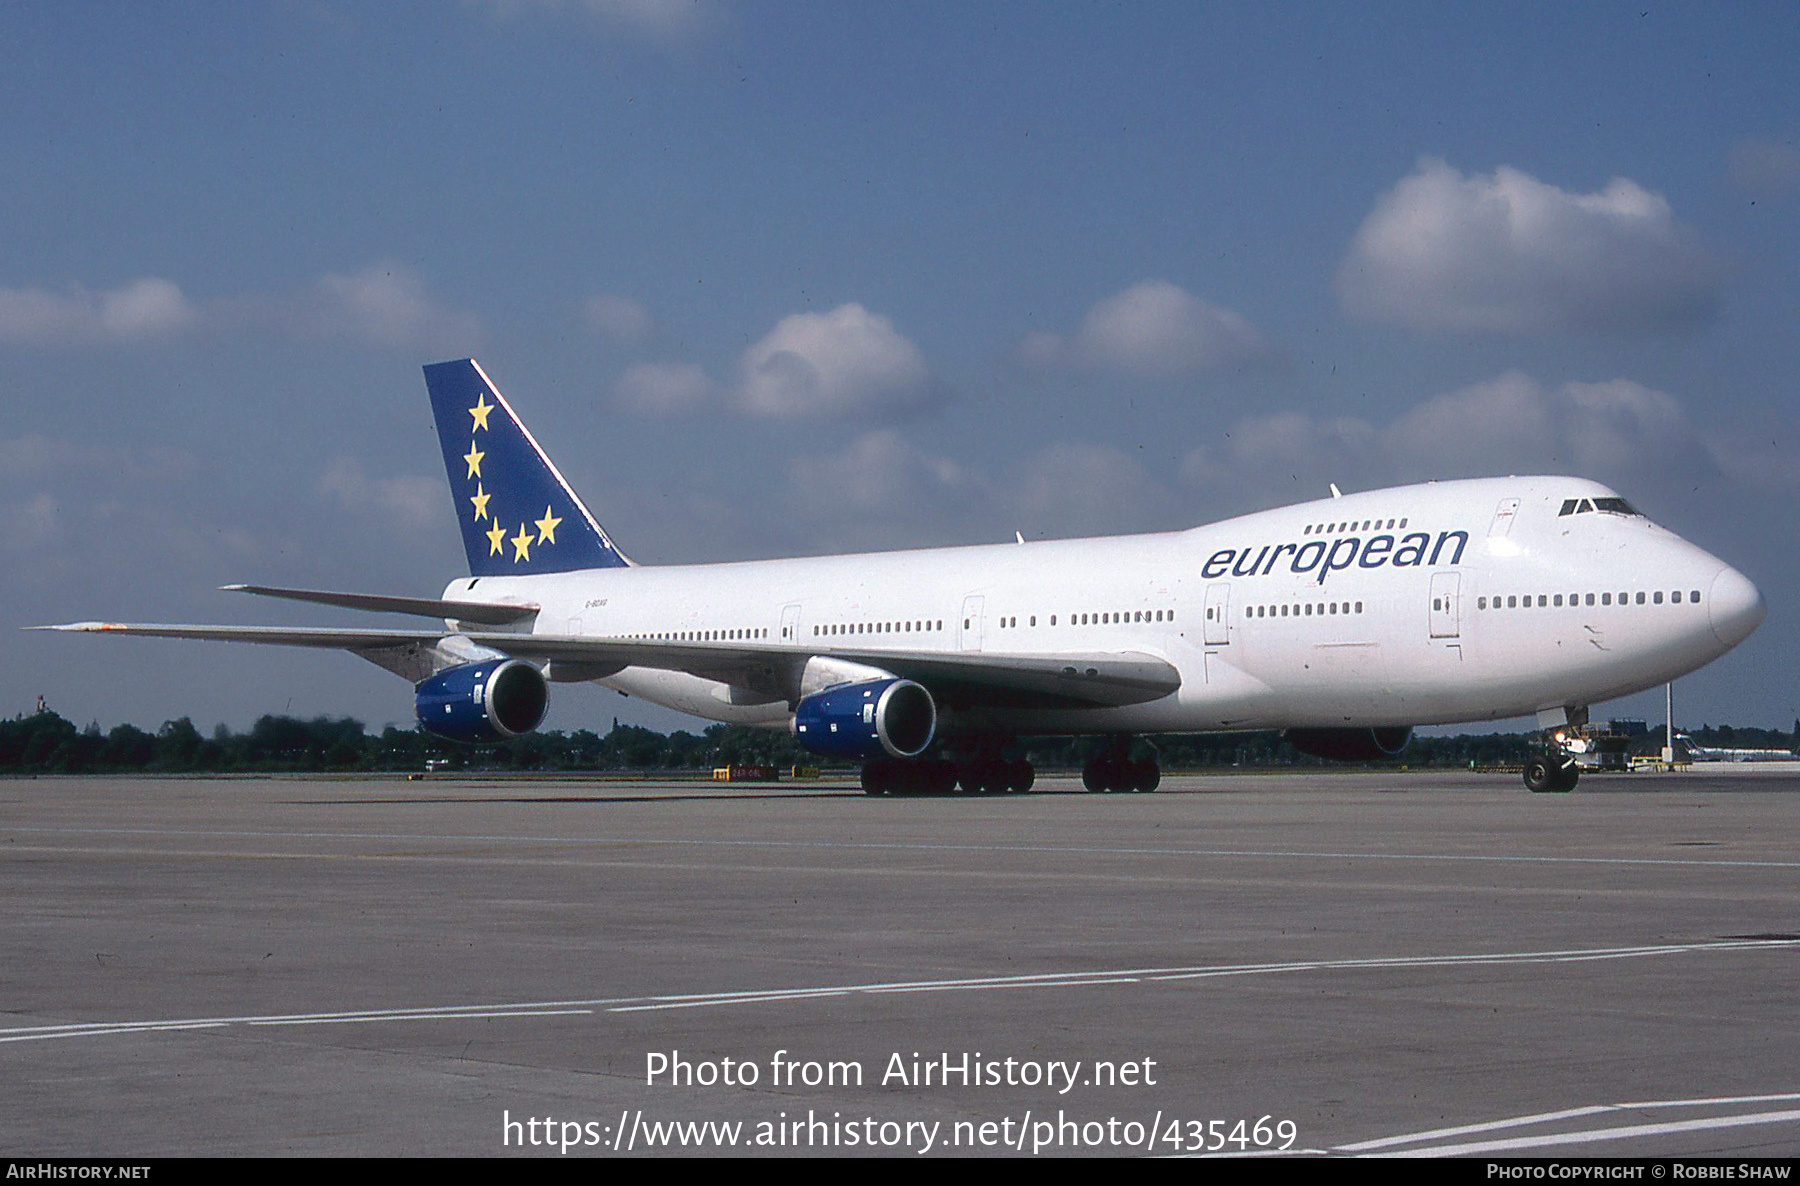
<point x="1343" y="622"/>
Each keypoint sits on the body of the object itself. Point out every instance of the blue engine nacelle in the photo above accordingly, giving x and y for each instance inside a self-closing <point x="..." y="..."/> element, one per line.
<point x="488" y="701"/>
<point x="1351" y="745"/>
<point x="883" y="718"/>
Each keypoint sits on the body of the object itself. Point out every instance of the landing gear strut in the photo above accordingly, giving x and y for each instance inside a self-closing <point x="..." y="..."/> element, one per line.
<point x="1114" y="769"/>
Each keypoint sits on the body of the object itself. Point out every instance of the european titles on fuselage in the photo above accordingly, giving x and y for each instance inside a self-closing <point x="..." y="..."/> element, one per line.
<point x="1328" y="556"/>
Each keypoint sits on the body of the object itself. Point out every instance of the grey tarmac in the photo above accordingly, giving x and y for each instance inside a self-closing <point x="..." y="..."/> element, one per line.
<point x="1395" y="962"/>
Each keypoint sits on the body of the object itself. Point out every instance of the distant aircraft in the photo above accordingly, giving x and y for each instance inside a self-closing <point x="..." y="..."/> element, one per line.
<point x="1344" y="622"/>
<point x="1712" y="753"/>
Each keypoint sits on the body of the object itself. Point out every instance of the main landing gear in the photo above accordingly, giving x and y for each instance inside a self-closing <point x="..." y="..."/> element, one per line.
<point x="1114" y="769"/>
<point x="982" y="770"/>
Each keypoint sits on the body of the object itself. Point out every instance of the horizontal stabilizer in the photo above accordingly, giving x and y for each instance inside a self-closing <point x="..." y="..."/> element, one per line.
<point x="486" y="613"/>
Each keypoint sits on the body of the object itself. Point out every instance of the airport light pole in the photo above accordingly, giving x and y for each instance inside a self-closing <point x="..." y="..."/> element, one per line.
<point x="1669" y="725"/>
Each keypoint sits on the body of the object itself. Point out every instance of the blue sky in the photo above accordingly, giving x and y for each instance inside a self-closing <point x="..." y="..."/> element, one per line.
<point x="1055" y="268"/>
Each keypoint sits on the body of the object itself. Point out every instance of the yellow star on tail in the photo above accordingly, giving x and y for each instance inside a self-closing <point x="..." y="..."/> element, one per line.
<point x="547" y="528"/>
<point x="496" y="538"/>
<point x="522" y="545"/>
<point x="473" y="457"/>
<point x="480" y="499"/>
<point x="480" y="411"/>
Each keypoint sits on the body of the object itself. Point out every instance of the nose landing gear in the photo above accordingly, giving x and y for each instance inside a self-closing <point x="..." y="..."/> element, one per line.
<point x="1551" y="773"/>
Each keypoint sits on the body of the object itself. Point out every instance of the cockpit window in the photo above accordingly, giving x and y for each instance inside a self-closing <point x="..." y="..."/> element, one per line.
<point x="1583" y="506"/>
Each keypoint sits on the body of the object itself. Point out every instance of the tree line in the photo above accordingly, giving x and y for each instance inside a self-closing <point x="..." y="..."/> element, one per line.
<point x="45" y="743"/>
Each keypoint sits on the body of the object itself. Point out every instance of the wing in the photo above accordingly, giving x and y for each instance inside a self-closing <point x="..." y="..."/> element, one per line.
<point x="1098" y="679"/>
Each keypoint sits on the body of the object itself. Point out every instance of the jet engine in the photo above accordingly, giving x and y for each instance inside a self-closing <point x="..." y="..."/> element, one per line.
<point x="883" y="718"/>
<point x="487" y="701"/>
<point x="1351" y="745"/>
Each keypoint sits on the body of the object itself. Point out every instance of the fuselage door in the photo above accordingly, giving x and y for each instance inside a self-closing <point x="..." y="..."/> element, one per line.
<point x="971" y="623"/>
<point x="1445" y="605"/>
<point x="790" y="625"/>
<point x="1504" y="514"/>
<point x="1218" y="614"/>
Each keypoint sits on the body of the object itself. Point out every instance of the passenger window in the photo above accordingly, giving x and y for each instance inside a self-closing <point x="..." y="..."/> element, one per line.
<point x="1480" y="603"/>
<point x="1558" y="599"/>
<point x="1359" y="607"/>
<point x="1590" y="599"/>
<point x="1694" y="596"/>
<point x="1543" y="601"/>
<point x="1640" y="599"/>
<point x="1658" y="598"/>
<point x="1512" y="602"/>
<point x="1606" y="599"/>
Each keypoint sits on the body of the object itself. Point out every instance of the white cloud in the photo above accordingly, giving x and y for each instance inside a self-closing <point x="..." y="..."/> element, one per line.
<point x="408" y="501"/>
<point x="1154" y="329"/>
<point x="385" y="304"/>
<point x="1287" y="456"/>
<point x="664" y="389"/>
<point x="1506" y="253"/>
<point x="139" y="310"/>
<point x="878" y="492"/>
<point x="1077" y="488"/>
<point x="618" y="319"/>
<point x="34" y="457"/>
<point x="1617" y="431"/>
<point x="883" y="491"/>
<point x="880" y="473"/>
<point x="847" y="363"/>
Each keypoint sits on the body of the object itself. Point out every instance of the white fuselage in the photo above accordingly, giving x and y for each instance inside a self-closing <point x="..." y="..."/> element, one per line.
<point x="1430" y="604"/>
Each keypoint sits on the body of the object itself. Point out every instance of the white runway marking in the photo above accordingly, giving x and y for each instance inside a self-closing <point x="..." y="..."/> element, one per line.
<point x="1421" y="1143"/>
<point x="901" y="846"/>
<point x="1090" y="978"/>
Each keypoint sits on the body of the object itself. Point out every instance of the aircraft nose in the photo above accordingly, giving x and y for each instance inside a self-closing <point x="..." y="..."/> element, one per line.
<point x="1736" y="607"/>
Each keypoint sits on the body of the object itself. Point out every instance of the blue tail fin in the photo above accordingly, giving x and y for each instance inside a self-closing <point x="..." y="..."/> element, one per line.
<point x="517" y="513"/>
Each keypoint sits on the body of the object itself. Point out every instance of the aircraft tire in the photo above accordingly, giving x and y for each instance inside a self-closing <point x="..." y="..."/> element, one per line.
<point x="1542" y="776"/>
<point x="1020" y="776"/>
<point x="1146" y="775"/>
<point x="873" y="778"/>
